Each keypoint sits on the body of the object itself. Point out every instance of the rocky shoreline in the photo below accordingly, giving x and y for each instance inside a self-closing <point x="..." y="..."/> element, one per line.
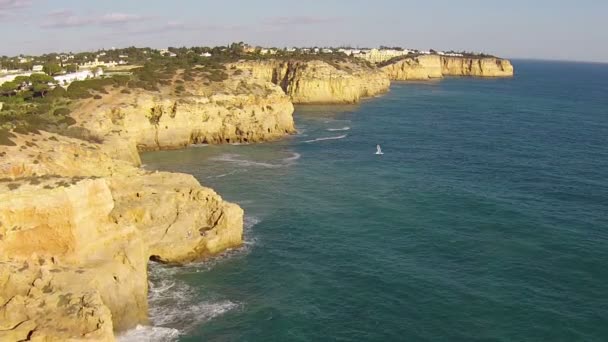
<point x="79" y="220"/>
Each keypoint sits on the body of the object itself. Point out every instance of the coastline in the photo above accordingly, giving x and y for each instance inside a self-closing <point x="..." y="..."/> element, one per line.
<point x="156" y="213"/>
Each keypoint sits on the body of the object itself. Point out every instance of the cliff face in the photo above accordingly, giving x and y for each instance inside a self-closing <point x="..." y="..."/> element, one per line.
<point x="244" y="111"/>
<point x="77" y="229"/>
<point x="317" y="81"/>
<point x="74" y="249"/>
<point x="419" y="68"/>
<point x="480" y="67"/>
<point x="434" y="66"/>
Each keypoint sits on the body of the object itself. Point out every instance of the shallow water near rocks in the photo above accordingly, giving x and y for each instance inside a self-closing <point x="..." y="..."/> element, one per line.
<point x="486" y="218"/>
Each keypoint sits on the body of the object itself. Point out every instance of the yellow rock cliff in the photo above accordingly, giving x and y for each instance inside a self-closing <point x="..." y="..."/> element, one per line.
<point x="318" y="82"/>
<point x="434" y="66"/>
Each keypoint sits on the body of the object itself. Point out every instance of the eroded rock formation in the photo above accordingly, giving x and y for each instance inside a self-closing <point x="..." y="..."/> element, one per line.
<point x="74" y="248"/>
<point x="318" y="82"/>
<point x="435" y="66"/>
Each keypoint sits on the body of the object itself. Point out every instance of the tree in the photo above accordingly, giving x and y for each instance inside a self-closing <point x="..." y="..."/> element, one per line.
<point x="51" y="68"/>
<point x="71" y="68"/>
<point x="8" y="88"/>
<point x="40" y="83"/>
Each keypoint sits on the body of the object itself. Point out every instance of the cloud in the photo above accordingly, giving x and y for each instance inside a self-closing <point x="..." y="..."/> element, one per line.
<point x="65" y="19"/>
<point x="120" y="18"/>
<point x="14" y="4"/>
<point x="180" y="26"/>
<point x="298" y="20"/>
<point x="9" y="6"/>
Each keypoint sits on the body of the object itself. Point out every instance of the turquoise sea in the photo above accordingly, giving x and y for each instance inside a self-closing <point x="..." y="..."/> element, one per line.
<point x="485" y="219"/>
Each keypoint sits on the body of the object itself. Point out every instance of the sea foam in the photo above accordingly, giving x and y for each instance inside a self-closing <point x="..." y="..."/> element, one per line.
<point x="175" y="307"/>
<point x="238" y="160"/>
<point x="345" y="128"/>
<point x="327" y="138"/>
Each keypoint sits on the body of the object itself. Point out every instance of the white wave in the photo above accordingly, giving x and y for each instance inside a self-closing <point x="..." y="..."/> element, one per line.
<point x="328" y="138"/>
<point x="250" y="221"/>
<point x="345" y="128"/>
<point x="176" y="306"/>
<point x="149" y="334"/>
<point x="224" y="174"/>
<point x="236" y="159"/>
<point x="294" y="156"/>
<point x="199" y="145"/>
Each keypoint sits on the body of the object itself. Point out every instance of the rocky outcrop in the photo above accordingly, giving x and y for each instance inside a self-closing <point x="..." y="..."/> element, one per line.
<point x="244" y="111"/>
<point x="435" y="66"/>
<point x="74" y="249"/>
<point x="479" y="67"/>
<point x="318" y="82"/>
<point x="419" y="68"/>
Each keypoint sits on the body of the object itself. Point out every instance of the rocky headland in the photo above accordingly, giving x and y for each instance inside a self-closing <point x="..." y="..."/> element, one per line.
<point x="319" y="82"/>
<point x="434" y="66"/>
<point x="79" y="219"/>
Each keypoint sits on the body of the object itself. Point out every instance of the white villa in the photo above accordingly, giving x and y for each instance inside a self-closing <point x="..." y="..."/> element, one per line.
<point x="97" y="63"/>
<point x="65" y="80"/>
<point x="377" y="56"/>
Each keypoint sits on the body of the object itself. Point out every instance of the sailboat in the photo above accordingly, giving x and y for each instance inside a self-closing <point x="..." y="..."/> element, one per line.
<point x="378" y="150"/>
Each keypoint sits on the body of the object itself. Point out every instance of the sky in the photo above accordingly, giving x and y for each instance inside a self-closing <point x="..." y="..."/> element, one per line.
<point x="539" y="29"/>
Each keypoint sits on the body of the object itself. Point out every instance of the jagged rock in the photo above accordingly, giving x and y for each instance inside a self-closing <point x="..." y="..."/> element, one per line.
<point x="245" y="111"/>
<point x="316" y="81"/>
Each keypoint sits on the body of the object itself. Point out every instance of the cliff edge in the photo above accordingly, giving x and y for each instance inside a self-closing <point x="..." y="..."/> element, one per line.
<point x="434" y="66"/>
<point x="317" y="81"/>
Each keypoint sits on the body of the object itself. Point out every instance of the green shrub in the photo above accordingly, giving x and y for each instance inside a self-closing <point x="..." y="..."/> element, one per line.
<point x="61" y="111"/>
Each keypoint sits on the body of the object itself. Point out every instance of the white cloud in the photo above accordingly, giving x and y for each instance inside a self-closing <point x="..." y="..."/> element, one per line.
<point x="66" y="18"/>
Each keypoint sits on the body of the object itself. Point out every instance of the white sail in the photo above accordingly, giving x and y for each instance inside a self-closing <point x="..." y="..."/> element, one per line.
<point x="378" y="150"/>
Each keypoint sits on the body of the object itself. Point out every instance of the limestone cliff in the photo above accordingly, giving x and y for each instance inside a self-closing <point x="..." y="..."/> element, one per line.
<point x="309" y="82"/>
<point x="243" y="111"/>
<point x="74" y="248"/>
<point x="418" y="68"/>
<point x="435" y="66"/>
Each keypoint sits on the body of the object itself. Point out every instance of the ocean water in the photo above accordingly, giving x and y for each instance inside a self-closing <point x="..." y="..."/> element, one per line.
<point x="485" y="219"/>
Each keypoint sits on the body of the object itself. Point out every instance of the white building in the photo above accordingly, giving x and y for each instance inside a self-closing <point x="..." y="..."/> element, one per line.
<point x="65" y="80"/>
<point x="11" y="77"/>
<point x="96" y="63"/>
<point x="377" y="56"/>
<point x="206" y="54"/>
<point x="350" y="52"/>
<point x="37" y="68"/>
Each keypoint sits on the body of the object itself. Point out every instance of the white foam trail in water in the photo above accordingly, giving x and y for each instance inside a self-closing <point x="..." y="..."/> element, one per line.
<point x="199" y="145"/>
<point x="224" y="174"/>
<point x="150" y="334"/>
<point x="236" y="159"/>
<point x="328" y="138"/>
<point x="345" y="128"/>
<point x="295" y="156"/>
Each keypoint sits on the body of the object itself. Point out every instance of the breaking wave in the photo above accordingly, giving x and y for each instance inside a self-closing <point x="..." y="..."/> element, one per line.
<point x="328" y="138"/>
<point x="345" y="128"/>
<point x="175" y="307"/>
<point x="236" y="159"/>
